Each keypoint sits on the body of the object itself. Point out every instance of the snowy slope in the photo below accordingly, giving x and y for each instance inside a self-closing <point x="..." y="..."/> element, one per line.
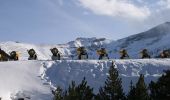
<point x="155" y="40"/>
<point x="63" y="72"/>
<point x="22" y="77"/>
<point x="67" y="50"/>
<point x="35" y="79"/>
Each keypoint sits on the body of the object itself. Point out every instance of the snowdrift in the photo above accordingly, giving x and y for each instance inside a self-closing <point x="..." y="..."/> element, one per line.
<point x="35" y="79"/>
<point x="22" y="79"/>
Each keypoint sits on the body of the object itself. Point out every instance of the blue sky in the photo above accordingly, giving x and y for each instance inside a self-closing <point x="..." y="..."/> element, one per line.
<point x="60" y="21"/>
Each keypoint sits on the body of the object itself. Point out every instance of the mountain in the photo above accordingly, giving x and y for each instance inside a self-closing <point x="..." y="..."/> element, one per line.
<point x="155" y="40"/>
<point x="36" y="79"/>
<point x="67" y="50"/>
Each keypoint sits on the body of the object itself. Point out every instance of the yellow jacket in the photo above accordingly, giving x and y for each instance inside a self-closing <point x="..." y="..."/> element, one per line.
<point x="100" y="52"/>
<point x="17" y="54"/>
<point x="0" y="57"/>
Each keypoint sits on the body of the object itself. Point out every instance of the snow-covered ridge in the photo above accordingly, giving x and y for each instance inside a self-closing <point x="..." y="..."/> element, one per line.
<point x="155" y="40"/>
<point x="27" y="78"/>
<point x="67" y="50"/>
<point x="35" y="79"/>
<point x="61" y="73"/>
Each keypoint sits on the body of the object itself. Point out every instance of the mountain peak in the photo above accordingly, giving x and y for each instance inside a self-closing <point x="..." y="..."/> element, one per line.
<point x="167" y="23"/>
<point x="156" y="34"/>
<point x="164" y="25"/>
<point x="157" y="31"/>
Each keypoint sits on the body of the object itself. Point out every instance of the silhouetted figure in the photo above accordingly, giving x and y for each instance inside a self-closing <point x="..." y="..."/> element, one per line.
<point x="14" y="56"/>
<point x="32" y="54"/>
<point x="124" y="54"/>
<point x="144" y="54"/>
<point x="165" y="54"/>
<point x="3" y="55"/>
<point x="82" y="53"/>
<point x="102" y="54"/>
<point x="56" y="54"/>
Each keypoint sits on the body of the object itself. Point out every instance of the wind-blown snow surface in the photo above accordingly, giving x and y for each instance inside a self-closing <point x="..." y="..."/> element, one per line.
<point x="22" y="76"/>
<point x="35" y="79"/>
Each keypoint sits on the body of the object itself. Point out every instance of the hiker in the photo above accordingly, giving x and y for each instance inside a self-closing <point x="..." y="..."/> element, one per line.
<point x="165" y="54"/>
<point x="14" y="56"/>
<point x="82" y="53"/>
<point x="56" y="54"/>
<point x="32" y="54"/>
<point x="124" y="54"/>
<point x="3" y="55"/>
<point x="144" y="54"/>
<point x="102" y="54"/>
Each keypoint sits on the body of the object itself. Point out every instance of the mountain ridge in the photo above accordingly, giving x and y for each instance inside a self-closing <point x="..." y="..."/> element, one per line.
<point x="155" y="40"/>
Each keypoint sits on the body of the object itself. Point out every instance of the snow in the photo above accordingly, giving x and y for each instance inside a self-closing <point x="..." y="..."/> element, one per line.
<point x="96" y="71"/>
<point x="35" y="79"/>
<point x="22" y="76"/>
<point x="43" y="51"/>
<point x="68" y="51"/>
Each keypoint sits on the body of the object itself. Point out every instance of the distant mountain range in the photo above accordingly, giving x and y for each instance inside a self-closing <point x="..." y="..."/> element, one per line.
<point x="155" y="40"/>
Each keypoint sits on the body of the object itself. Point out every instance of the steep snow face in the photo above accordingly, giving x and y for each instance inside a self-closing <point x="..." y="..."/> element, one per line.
<point x="156" y="32"/>
<point x="155" y="40"/>
<point x="61" y="73"/>
<point x="35" y="79"/>
<point x="23" y="79"/>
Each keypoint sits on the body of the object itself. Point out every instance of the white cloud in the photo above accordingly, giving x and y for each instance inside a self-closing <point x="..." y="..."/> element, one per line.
<point x="116" y="8"/>
<point x="165" y="4"/>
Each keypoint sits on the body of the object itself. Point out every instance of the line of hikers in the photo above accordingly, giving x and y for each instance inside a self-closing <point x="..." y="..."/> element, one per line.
<point x="81" y="52"/>
<point x="123" y="54"/>
<point x="14" y="55"/>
